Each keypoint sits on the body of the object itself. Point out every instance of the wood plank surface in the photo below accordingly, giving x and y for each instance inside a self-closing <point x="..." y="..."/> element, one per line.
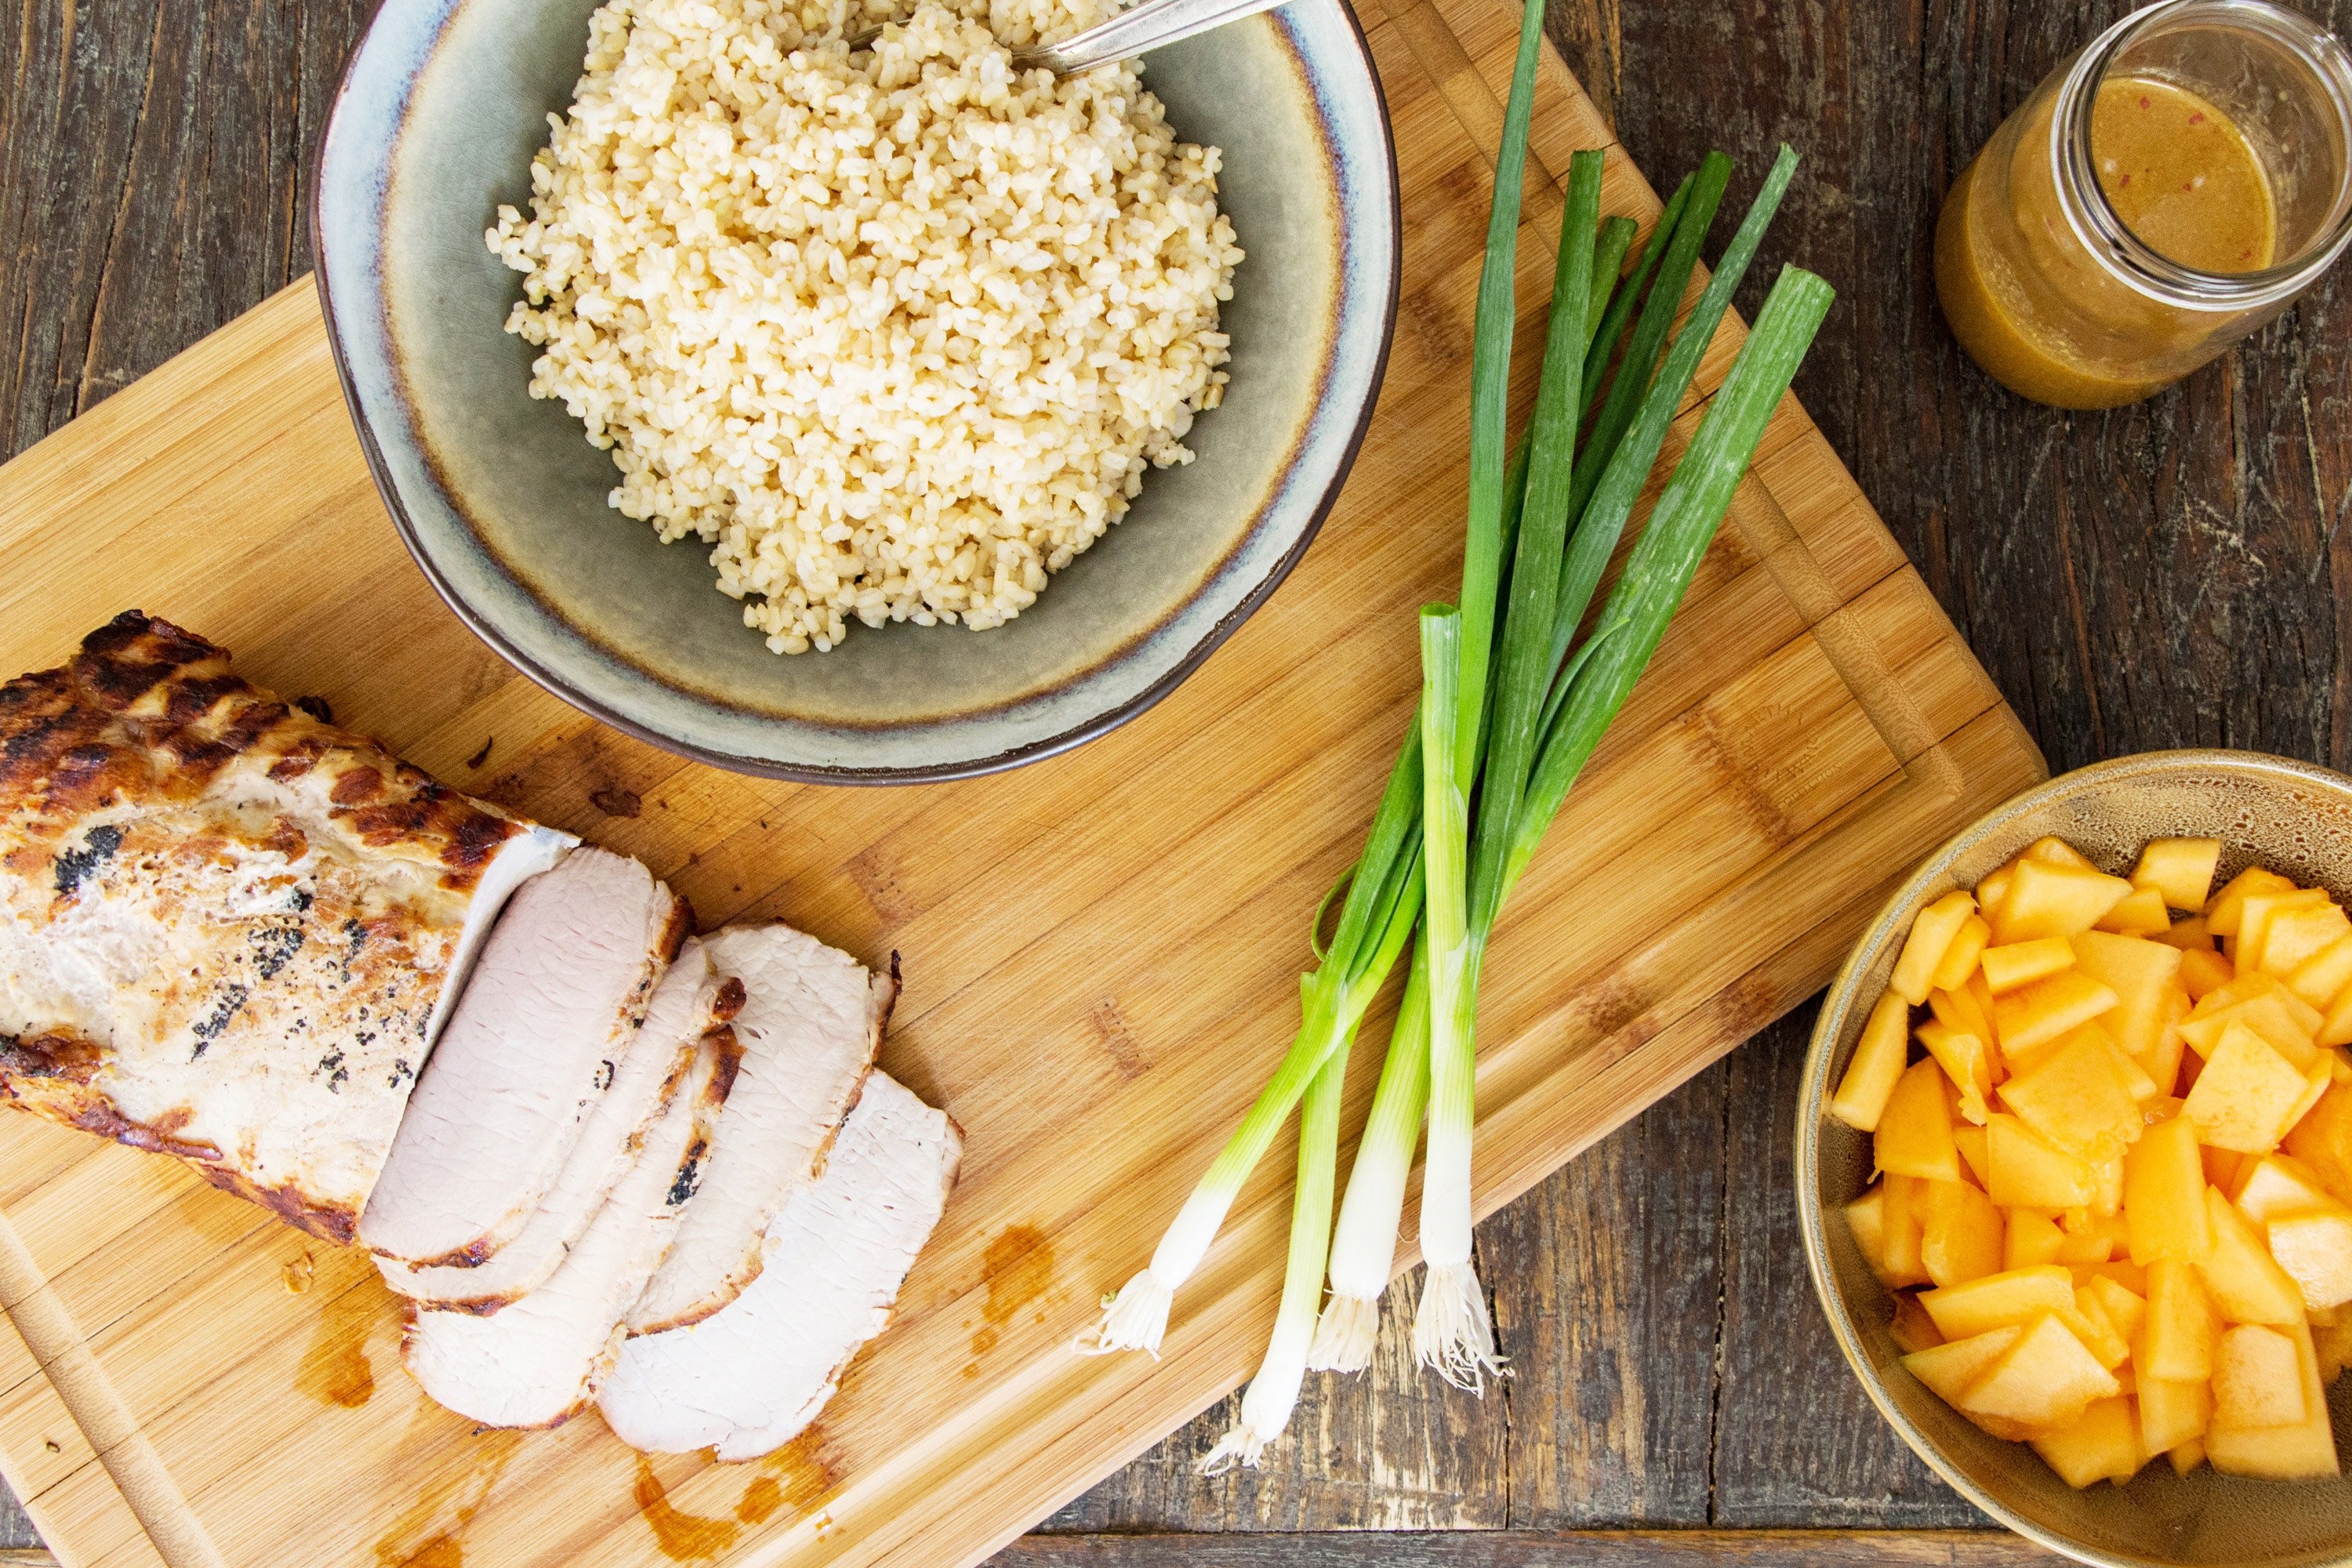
<point x="1810" y="723"/>
<point x="2198" y="555"/>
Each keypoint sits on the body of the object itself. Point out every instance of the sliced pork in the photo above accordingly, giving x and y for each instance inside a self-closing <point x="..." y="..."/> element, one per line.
<point x="229" y="930"/>
<point x="812" y="1021"/>
<point x="690" y="1002"/>
<point x="539" y="1361"/>
<point x="529" y="1051"/>
<point x="749" y="1378"/>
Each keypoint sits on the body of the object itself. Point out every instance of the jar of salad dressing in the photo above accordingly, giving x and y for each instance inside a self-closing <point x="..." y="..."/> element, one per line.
<point x="2160" y="195"/>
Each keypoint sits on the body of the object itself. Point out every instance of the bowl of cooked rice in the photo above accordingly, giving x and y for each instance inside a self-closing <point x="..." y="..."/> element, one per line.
<point x="804" y="386"/>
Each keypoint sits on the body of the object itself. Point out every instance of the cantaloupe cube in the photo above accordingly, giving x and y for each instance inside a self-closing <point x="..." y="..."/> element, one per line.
<point x="2122" y="1271"/>
<point x="2046" y="899"/>
<point x="1866" y="1218"/>
<point x="2203" y="973"/>
<point x="2274" y="1184"/>
<point x="2291" y="1452"/>
<point x="2254" y="917"/>
<point x="2143" y="975"/>
<point x="2125" y="1308"/>
<point x="1966" y="1061"/>
<point x="2045" y="1379"/>
<point x="2223" y="1166"/>
<point x="2030" y="1237"/>
<point x="2296" y="935"/>
<point x="1932" y="931"/>
<point x="2315" y="1250"/>
<point x="2108" y="1190"/>
<point x="2140" y="913"/>
<point x="2077" y="1097"/>
<point x="2031" y="1172"/>
<point x="2319" y="979"/>
<point x="2316" y="1080"/>
<point x="2257" y="1378"/>
<point x="2022" y="962"/>
<point x="2188" y="934"/>
<point x="2171" y="1414"/>
<point x="2176" y="1341"/>
<point x="2322" y="1140"/>
<point x="2084" y="1241"/>
<point x="2265" y="1005"/>
<point x="2188" y="1455"/>
<point x="2014" y="1296"/>
<point x="2100" y="1445"/>
<point x="1901" y="1236"/>
<point x="2162" y="1064"/>
<point x="1969" y="1139"/>
<point x="1915" y="1131"/>
<point x="2335" y="1025"/>
<point x="1960" y="1011"/>
<point x="1948" y="1369"/>
<point x="2245" y="1097"/>
<point x="2053" y="850"/>
<point x="2221" y="911"/>
<point x="2180" y="869"/>
<point x="2245" y="1282"/>
<point x="2089" y="1323"/>
<point x="1993" y="887"/>
<point x="1960" y="960"/>
<point x="1877" y="1062"/>
<point x="2164" y="1194"/>
<point x="2047" y="1009"/>
<point x="1962" y="1237"/>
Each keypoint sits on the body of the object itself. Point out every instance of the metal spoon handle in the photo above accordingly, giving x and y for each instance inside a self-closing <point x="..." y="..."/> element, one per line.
<point x="1147" y="27"/>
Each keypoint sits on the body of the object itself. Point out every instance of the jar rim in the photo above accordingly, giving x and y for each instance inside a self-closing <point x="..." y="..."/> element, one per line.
<point x="2105" y="234"/>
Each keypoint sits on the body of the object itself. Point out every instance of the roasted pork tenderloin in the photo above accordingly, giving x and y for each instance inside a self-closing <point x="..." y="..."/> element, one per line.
<point x="749" y="1378"/>
<point x="812" y="1021"/>
<point x="532" y="1048"/>
<point x="230" y="932"/>
<point x="690" y="1001"/>
<point x="540" y="1360"/>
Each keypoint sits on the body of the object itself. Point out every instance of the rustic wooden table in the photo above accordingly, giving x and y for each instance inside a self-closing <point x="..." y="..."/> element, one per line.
<point x="2168" y="574"/>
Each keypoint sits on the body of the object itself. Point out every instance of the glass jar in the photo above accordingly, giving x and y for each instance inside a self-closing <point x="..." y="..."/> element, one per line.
<point x="2056" y="296"/>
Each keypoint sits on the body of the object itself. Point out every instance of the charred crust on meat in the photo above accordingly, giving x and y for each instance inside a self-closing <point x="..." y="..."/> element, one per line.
<point x="675" y="930"/>
<point x="318" y="708"/>
<point x="207" y="1029"/>
<point x="728" y="1051"/>
<point x="729" y="1000"/>
<point x="356" y="786"/>
<point x="690" y="1174"/>
<point x="76" y="866"/>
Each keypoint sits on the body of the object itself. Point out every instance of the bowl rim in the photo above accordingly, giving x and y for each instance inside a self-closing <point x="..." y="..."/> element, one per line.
<point x="1078" y="735"/>
<point x="1839" y="1003"/>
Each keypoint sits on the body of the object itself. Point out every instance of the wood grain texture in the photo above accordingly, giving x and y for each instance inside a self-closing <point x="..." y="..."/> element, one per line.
<point x="2197" y="558"/>
<point x="1536" y="1549"/>
<point x="1810" y="723"/>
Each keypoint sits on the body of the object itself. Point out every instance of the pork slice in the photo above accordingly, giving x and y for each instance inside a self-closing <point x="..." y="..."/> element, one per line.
<point x="539" y="1361"/>
<point x="229" y="930"/>
<point x="560" y="990"/>
<point x="812" y="1020"/>
<point x="751" y="1376"/>
<point x="690" y="1001"/>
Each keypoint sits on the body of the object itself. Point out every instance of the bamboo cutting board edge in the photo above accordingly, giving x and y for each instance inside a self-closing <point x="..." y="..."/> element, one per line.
<point x="1950" y="757"/>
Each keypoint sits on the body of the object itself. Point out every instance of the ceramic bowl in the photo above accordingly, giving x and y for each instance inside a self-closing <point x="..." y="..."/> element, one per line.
<point x="502" y="501"/>
<point x="2291" y="816"/>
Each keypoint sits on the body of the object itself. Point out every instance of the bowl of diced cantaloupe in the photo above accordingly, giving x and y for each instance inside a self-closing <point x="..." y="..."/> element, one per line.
<point x="2076" y="1131"/>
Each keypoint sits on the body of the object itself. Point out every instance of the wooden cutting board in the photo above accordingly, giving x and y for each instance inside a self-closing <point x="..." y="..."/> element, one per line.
<point x="1102" y="951"/>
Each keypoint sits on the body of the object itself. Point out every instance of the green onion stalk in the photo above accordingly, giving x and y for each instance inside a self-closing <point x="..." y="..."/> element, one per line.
<point x="1383" y="900"/>
<point x="1552" y="707"/>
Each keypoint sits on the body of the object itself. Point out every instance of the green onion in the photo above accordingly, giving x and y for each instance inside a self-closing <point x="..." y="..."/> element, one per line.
<point x="1274" y="1391"/>
<point x="1383" y="900"/>
<point x="1611" y="326"/>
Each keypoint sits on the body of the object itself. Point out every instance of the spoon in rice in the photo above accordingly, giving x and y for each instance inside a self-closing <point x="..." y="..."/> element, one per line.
<point x="1135" y="31"/>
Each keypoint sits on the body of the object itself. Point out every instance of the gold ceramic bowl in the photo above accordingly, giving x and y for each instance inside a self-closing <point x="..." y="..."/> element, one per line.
<point x="2291" y="816"/>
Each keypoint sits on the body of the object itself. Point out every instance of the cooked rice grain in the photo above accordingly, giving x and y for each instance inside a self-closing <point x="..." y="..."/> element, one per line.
<point x="895" y="333"/>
